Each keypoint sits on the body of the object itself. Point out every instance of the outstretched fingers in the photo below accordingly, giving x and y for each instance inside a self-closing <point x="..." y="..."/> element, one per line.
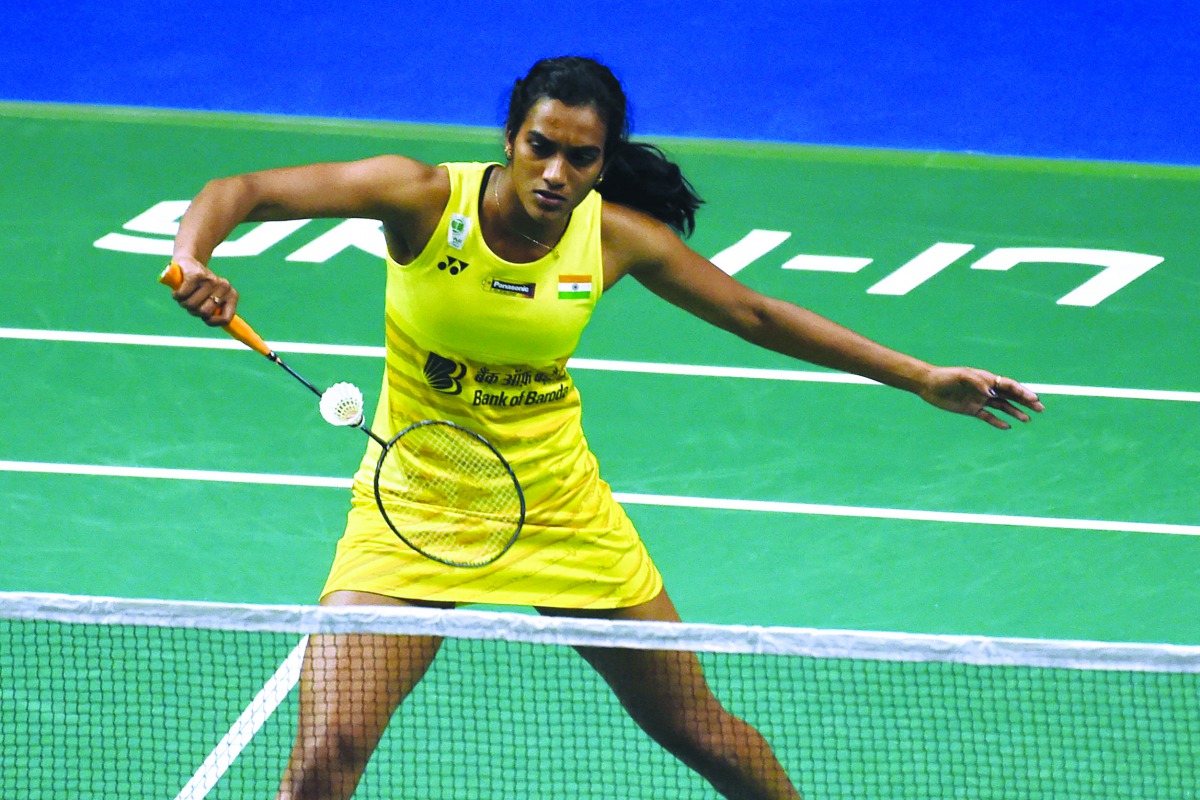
<point x="978" y="393"/>
<point x="1009" y="390"/>
<point x="1007" y="396"/>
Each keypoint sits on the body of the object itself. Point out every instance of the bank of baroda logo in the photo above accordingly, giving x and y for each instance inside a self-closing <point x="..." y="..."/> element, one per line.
<point x="444" y="374"/>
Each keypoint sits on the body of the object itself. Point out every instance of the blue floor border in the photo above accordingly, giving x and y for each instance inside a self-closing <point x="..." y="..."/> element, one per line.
<point x="1062" y="80"/>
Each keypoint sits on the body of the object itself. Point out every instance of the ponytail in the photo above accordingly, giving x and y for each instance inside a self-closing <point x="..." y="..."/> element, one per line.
<point x="640" y="175"/>
<point x="636" y="174"/>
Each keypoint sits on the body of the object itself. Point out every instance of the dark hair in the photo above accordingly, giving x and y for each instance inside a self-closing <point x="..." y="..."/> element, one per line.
<point x="636" y="174"/>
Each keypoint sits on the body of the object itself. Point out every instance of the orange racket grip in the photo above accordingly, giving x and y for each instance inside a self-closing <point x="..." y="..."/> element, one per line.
<point x="238" y="328"/>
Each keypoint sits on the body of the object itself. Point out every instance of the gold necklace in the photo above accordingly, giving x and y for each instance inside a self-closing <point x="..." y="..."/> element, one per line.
<point x="500" y="213"/>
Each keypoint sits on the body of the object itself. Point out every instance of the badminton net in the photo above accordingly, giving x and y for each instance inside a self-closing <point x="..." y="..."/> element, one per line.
<point x="114" y="698"/>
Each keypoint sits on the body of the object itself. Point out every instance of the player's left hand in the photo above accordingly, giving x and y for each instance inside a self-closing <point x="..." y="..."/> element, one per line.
<point x="978" y="393"/>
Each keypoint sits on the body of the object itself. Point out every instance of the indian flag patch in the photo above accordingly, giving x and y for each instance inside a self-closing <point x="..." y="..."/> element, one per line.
<point x="574" y="287"/>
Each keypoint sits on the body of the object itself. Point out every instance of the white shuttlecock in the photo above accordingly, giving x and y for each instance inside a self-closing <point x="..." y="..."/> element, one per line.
<point x="342" y="404"/>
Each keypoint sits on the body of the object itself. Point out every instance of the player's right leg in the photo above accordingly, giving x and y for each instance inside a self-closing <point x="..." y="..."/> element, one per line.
<point x="350" y="685"/>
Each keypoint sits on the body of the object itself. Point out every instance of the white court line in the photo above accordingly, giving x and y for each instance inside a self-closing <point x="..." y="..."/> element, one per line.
<point x="99" y="470"/>
<point x="245" y="727"/>
<point x="647" y="367"/>
<point x="670" y="501"/>
<point x="216" y="342"/>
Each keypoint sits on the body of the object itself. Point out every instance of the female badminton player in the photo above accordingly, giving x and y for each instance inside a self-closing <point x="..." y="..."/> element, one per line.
<point x="492" y="273"/>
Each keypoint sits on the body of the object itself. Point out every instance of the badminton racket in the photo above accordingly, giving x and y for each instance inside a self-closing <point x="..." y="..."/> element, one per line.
<point x="443" y="489"/>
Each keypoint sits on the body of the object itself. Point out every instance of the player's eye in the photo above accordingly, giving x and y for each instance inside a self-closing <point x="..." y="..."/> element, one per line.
<point x="585" y="158"/>
<point x="540" y="147"/>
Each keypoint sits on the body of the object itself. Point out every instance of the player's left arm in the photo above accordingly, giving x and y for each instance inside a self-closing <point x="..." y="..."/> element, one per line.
<point x="656" y="257"/>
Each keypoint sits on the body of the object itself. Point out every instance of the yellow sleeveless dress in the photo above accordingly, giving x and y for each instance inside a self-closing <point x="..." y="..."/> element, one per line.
<point x="483" y="342"/>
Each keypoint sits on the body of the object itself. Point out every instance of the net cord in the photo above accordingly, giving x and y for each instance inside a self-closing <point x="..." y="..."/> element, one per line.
<point x="535" y="629"/>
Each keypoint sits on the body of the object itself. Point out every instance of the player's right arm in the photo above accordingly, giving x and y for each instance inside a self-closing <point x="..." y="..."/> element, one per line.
<point x="406" y="195"/>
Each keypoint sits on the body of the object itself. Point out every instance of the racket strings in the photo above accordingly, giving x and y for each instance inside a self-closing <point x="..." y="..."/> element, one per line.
<point x="449" y="494"/>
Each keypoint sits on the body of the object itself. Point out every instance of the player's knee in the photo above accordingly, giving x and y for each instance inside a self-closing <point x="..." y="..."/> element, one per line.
<point x="711" y="738"/>
<point x="348" y="752"/>
<point x="328" y="768"/>
<point x="720" y="747"/>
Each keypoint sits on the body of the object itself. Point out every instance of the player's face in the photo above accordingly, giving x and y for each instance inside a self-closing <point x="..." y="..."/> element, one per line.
<point x="557" y="155"/>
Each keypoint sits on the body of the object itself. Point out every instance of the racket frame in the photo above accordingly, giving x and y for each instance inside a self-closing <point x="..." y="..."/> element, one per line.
<point x="395" y="440"/>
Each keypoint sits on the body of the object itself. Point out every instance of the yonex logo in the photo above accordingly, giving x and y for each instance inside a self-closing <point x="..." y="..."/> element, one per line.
<point x="453" y="265"/>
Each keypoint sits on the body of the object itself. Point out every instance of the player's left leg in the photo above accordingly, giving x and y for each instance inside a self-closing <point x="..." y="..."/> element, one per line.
<point x="667" y="695"/>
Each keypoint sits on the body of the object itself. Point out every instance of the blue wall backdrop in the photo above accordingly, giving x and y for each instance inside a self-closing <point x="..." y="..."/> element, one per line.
<point x="1055" y="79"/>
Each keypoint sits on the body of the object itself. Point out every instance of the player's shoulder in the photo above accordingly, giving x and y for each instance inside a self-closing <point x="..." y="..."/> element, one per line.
<point x="404" y="182"/>
<point x="634" y="237"/>
<point x="400" y="169"/>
